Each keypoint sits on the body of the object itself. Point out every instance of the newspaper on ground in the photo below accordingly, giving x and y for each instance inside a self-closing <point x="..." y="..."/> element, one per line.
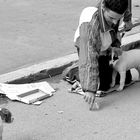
<point x="32" y="93"/>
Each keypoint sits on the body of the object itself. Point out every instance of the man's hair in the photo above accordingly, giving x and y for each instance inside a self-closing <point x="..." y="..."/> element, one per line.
<point x="118" y="6"/>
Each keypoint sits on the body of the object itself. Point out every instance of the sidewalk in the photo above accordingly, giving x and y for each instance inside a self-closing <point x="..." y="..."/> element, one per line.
<point x="66" y="116"/>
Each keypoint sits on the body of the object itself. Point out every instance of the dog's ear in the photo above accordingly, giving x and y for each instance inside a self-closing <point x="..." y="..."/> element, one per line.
<point x="6" y="115"/>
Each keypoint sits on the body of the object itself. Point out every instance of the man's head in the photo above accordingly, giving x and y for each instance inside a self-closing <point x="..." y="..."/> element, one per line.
<point x="117" y="6"/>
<point x="114" y="10"/>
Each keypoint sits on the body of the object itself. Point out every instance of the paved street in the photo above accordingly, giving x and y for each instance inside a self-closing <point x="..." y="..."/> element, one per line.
<point x="66" y="116"/>
<point x="36" y="31"/>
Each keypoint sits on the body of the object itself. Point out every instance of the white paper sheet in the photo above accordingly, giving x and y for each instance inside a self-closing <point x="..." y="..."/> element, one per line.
<point x="12" y="91"/>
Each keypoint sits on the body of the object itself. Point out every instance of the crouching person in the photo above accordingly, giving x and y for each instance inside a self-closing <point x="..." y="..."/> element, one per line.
<point x="93" y="38"/>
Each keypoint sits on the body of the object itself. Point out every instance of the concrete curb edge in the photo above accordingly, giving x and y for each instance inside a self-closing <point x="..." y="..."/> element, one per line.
<point x="49" y="68"/>
<point x="39" y="71"/>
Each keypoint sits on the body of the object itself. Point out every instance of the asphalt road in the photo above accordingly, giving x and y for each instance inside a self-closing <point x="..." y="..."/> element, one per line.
<point x="36" y="31"/>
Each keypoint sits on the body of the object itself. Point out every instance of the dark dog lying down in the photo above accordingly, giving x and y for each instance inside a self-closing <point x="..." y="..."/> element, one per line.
<point x="6" y="116"/>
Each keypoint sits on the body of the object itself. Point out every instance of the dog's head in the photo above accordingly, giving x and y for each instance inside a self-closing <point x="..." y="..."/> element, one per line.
<point x="114" y="53"/>
<point x="6" y="115"/>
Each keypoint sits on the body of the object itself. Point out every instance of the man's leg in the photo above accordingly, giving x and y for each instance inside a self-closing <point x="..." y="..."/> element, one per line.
<point x="105" y="73"/>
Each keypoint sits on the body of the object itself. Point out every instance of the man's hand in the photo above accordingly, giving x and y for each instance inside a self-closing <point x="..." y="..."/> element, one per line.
<point x="90" y="98"/>
<point x="128" y="26"/>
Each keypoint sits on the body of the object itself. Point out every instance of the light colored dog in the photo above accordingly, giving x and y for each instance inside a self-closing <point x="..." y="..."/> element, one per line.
<point x="128" y="60"/>
<point x="6" y="117"/>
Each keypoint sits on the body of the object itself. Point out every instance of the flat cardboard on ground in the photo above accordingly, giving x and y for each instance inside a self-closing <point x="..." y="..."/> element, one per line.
<point x="27" y="93"/>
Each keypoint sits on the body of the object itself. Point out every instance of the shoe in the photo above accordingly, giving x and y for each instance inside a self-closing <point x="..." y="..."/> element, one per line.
<point x="100" y="93"/>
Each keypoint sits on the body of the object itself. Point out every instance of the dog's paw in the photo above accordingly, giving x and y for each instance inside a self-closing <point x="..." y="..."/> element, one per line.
<point x="112" y="84"/>
<point x="119" y="88"/>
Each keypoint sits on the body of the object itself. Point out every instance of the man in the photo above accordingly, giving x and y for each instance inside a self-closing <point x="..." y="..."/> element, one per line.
<point x="127" y="15"/>
<point x="93" y="38"/>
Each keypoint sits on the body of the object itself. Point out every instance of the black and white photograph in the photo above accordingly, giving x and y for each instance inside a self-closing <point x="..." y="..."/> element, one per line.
<point x="70" y="70"/>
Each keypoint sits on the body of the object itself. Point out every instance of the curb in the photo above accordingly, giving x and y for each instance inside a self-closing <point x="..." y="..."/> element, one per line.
<point x="39" y="71"/>
<point x="53" y="67"/>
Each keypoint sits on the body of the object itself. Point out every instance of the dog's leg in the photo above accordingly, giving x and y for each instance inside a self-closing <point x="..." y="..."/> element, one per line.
<point x="1" y="128"/>
<point x="114" y="74"/>
<point x="138" y="69"/>
<point x="122" y="80"/>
